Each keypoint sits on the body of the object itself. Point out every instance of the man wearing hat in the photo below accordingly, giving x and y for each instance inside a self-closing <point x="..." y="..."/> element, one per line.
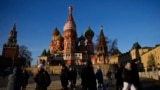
<point x="42" y="78"/>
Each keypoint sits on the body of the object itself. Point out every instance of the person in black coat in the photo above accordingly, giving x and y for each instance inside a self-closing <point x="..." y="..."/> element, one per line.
<point x="128" y="77"/>
<point x="42" y="78"/>
<point x="88" y="78"/>
<point x="64" y="76"/>
<point x="136" y="75"/>
<point x="99" y="77"/>
<point x="25" y="77"/>
<point x="118" y="77"/>
<point x="109" y="77"/>
<point x="72" y="77"/>
<point x="15" y="79"/>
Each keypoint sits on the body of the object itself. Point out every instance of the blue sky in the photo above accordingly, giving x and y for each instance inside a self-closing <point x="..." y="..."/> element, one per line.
<point x="129" y="21"/>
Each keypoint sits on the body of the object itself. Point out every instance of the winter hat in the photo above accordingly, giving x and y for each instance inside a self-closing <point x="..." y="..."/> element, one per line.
<point x="41" y="66"/>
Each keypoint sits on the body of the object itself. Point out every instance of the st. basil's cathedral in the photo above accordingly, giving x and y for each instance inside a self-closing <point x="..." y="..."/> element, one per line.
<point x="69" y="48"/>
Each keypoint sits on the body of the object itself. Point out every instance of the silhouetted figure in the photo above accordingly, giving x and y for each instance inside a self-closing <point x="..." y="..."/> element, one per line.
<point x="15" y="79"/>
<point x="118" y="77"/>
<point x="109" y="77"/>
<point x="25" y="77"/>
<point x="72" y="77"/>
<point x="128" y="77"/>
<point x="99" y="77"/>
<point x="136" y="75"/>
<point x="42" y="78"/>
<point x="88" y="79"/>
<point x="64" y="76"/>
<point x="4" y="74"/>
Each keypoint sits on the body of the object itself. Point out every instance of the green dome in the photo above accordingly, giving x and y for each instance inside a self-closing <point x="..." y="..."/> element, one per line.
<point x="59" y="38"/>
<point x="81" y="38"/>
<point x="89" y="32"/>
<point x="55" y="32"/>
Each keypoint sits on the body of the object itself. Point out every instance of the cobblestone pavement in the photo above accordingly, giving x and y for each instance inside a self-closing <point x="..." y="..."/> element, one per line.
<point x="147" y="84"/>
<point x="56" y="85"/>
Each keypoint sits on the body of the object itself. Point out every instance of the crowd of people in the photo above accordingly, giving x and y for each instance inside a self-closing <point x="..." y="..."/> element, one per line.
<point x="126" y="76"/>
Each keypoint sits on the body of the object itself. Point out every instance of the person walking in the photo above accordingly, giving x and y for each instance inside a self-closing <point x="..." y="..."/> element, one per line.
<point x="15" y="79"/>
<point x="135" y="74"/>
<point x="72" y="77"/>
<point x="99" y="77"/>
<point x="118" y="77"/>
<point x="25" y="77"/>
<point x="88" y="78"/>
<point x="42" y="78"/>
<point x="128" y="78"/>
<point x="109" y="77"/>
<point x="64" y="77"/>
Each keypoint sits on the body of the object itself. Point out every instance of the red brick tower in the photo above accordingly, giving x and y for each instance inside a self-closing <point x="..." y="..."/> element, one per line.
<point x="10" y="49"/>
<point x="70" y="38"/>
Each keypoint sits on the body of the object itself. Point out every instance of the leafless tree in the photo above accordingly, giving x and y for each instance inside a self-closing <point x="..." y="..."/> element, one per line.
<point x="112" y="47"/>
<point x="25" y="53"/>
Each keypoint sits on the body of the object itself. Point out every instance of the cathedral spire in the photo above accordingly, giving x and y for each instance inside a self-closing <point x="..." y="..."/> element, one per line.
<point x="14" y="27"/>
<point x="101" y="40"/>
<point x="70" y="17"/>
<point x="102" y="47"/>
<point x="101" y="27"/>
<point x="101" y="32"/>
<point x="70" y="9"/>
<point x="70" y="24"/>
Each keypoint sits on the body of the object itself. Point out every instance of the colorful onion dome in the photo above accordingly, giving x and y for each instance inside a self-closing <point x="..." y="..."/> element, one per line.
<point x="89" y="32"/>
<point x="81" y="38"/>
<point x="55" y="32"/>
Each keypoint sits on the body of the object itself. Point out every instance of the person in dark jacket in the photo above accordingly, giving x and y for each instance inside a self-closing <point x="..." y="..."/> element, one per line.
<point x="72" y="77"/>
<point x="64" y="76"/>
<point x="25" y="77"/>
<point x="128" y="78"/>
<point x="99" y="77"/>
<point x="42" y="78"/>
<point x="136" y="75"/>
<point x="88" y="78"/>
<point x="118" y="77"/>
<point x="15" y="79"/>
<point x="109" y="77"/>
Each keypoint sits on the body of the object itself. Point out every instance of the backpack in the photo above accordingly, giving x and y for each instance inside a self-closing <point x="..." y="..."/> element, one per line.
<point x="47" y="79"/>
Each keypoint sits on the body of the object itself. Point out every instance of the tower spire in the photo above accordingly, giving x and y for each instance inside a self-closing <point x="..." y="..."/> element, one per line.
<point x="14" y="27"/>
<point x="70" y="9"/>
<point x="101" y="47"/>
<point x="101" y="27"/>
<point x="70" y="17"/>
<point x="12" y="39"/>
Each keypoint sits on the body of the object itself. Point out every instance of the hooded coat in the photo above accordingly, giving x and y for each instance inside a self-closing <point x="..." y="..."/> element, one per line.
<point x="88" y="77"/>
<point x="14" y="79"/>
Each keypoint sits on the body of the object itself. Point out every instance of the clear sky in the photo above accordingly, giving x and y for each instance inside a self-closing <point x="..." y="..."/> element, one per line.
<point x="129" y="21"/>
